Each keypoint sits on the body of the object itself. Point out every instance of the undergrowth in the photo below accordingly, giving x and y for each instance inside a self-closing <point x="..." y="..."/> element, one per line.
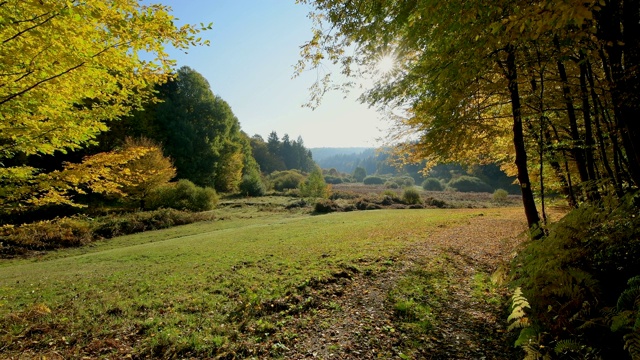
<point x="82" y="230"/>
<point x="582" y="285"/>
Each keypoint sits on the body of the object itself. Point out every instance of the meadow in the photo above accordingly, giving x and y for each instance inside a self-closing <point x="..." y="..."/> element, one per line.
<point x="216" y="289"/>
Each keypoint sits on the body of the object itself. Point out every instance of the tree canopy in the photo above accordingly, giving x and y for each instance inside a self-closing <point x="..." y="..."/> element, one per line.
<point x="537" y="86"/>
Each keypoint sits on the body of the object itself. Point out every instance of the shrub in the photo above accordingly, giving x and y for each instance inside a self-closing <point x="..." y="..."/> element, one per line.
<point x="325" y="206"/>
<point x="575" y="279"/>
<point x="404" y="181"/>
<point x="314" y="186"/>
<point x="411" y="196"/>
<point x="329" y="179"/>
<point x="46" y="235"/>
<point x="432" y="184"/>
<point x="469" y="184"/>
<point x="283" y="180"/>
<point x="118" y="225"/>
<point x="252" y="185"/>
<point x="391" y="185"/>
<point x="184" y="195"/>
<point x="373" y="180"/>
<point x="500" y="195"/>
<point x="359" y="174"/>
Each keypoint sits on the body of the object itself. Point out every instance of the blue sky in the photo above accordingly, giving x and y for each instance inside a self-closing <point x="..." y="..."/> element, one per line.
<point x="254" y="46"/>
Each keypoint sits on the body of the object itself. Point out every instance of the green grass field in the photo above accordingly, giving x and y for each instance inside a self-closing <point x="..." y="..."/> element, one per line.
<point x="201" y="290"/>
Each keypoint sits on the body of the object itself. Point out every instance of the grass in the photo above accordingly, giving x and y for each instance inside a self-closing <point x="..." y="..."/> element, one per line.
<point x="204" y="289"/>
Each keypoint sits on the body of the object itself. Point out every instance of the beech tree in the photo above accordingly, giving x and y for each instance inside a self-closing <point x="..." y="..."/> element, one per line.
<point x="67" y="67"/>
<point x="522" y="83"/>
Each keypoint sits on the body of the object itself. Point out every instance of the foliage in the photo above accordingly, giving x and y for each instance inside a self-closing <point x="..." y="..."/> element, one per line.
<point x="432" y="184"/>
<point x="325" y="206"/>
<point x="575" y="276"/>
<point x="411" y="196"/>
<point x="79" y="231"/>
<point x="500" y="195"/>
<point x="184" y="195"/>
<point x="359" y="174"/>
<point x="137" y="168"/>
<point x="315" y="186"/>
<point x="252" y="185"/>
<point x="198" y="131"/>
<point x="283" y="180"/>
<point x="373" y="180"/>
<point x="469" y="184"/>
<point x="153" y="170"/>
<point x="389" y="184"/>
<point x="281" y="154"/>
<point x="67" y="67"/>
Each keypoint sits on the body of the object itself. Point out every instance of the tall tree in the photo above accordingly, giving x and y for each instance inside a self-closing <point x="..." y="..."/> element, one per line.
<point x="462" y="74"/>
<point x="198" y="130"/>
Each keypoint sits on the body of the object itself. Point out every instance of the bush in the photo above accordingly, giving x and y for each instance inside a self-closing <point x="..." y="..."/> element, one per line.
<point x="391" y="185"/>
<point x="283" y="180"/>
<point x="404" y="181"/>
<point x="325" y="206"/>
<point x="184" y="195"/>
<point x="252" y="185"/>
<point x="45" y="235"/>
<point x="500" y="195"/>
<point x="373" y="180"/>
<point x="329" y="179"/>
<point x="469" y="184"/>
<point x="314" y="186"/>
<point x="432" y="184"/>
<point x="577" y="276"/>
<point x="132" y="223"/>
<point x="411" y="196"/>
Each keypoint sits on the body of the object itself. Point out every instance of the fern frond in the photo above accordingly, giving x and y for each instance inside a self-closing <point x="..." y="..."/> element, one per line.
<point x="564" y="346"/>
<point x="634" y="281"/>
<point x="629" y="298"/>
<point x="632" y="344"/>
<point x="531" y="352"/>
<point x="519" y="324"/>
<point x="518" y="300"/>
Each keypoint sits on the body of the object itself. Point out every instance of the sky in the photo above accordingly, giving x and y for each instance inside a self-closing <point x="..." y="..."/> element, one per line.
<point x="250" y="64"/>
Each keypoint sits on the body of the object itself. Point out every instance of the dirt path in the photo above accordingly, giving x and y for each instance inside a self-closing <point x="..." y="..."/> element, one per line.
<point x="357" y="319"/>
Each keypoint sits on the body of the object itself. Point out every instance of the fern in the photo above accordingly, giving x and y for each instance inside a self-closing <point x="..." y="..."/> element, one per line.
<point x="632" y="344"/>
<point x="568" y="345"/>
<point x="518" y="315"/>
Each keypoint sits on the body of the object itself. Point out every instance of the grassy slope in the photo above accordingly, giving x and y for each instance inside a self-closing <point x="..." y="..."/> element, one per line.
<point x="196" y="289"/>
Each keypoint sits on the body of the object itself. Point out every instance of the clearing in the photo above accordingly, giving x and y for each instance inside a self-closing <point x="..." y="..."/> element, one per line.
<point x="399" y="284"/>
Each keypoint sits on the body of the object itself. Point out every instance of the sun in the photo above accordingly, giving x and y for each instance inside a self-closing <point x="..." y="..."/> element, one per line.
<point x="386" y="64"/>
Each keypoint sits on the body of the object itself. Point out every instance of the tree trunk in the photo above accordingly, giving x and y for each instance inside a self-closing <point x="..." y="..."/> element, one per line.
<point x="528" y="201"/>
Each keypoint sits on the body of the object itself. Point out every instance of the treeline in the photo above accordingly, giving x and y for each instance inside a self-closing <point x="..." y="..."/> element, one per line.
<point x="349" y="167"/>
<point x="277" y="154"/>
<point x="177" y="151"/>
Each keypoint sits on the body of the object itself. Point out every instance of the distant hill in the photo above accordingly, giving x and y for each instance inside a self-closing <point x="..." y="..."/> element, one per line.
<point x="326" y="152"/>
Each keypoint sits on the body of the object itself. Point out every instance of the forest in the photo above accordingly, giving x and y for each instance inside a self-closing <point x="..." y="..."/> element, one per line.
<point x="501" y="219"/>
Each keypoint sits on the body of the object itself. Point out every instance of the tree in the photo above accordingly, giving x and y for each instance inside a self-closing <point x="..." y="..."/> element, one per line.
<point x="497" y="81"/>
<point x="198" y="130"/>
<point x="151" y="171"/>
<point x="314" y="186"/>
<point x="359" y="174"/>
<point x="66" y="67"/>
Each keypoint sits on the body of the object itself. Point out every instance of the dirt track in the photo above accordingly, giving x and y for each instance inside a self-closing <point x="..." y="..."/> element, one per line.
<point x="360" y="321"/>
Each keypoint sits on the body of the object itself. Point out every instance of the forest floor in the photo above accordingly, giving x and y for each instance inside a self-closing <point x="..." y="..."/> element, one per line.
<point x="457" y="271"/>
